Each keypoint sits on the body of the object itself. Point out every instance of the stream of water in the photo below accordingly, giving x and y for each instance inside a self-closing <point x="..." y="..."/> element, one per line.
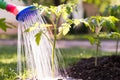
<point x="34" y="61"/>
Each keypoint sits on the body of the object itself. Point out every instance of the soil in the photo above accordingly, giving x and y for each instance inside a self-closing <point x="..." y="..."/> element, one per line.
<point x="108" y="68"/>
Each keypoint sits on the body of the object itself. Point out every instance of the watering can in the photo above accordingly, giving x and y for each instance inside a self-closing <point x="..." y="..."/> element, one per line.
<point x="19" y="13"/>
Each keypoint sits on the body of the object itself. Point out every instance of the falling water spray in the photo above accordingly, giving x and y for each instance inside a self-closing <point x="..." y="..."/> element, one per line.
<point x="35" y="61"/>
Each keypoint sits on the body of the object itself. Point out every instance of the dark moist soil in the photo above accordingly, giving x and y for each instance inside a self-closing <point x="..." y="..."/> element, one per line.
<point x="108" y="68"/>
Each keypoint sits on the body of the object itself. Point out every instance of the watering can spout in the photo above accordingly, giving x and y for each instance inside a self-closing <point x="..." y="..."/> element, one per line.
<point x="19" y="11"/>
<point x="9" y="7"/>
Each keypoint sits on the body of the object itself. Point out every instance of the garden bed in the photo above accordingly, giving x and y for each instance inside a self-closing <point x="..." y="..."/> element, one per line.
<point x="108" y="68"/>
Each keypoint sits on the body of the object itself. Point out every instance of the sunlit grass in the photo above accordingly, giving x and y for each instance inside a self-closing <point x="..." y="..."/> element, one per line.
<point x="76" y="36"/>
<point x="8" y="62"/>
<point x="82" y="37"/>
<point x="8" y="36"/>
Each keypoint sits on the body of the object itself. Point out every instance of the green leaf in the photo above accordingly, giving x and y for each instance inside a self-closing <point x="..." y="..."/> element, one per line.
<point x="85" y="22"/>
<point x="64" y="29"/>
<point x="66" y="11"/>
<point x="97" y="22"/>
<point x="109" y="22"/>
<point x="2" y="19"/>
<point x="3" y="24"/>
<point x="69" y="9"/>
<point x="76" y="22"/>
<point x="53" y="10"/>
<point x="38" y="37"/>
<point x="36" y="24"/>
<point x="46" y="25"/>
<point x="91" y="39"/>
<point x="33" y="27"/>
<point x="69" y="21"/>
<point x="94" y="21"/>
<point x="114" y="19"/>
<point x="30" y="29"/>
<point x="114" y="35"/>
<point x="103" y="35"/>
<point x="64" y="15"/>
<point x="90" y="24"/>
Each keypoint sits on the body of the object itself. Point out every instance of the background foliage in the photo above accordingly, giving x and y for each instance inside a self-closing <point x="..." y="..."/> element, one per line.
<point x="101" y="5"/>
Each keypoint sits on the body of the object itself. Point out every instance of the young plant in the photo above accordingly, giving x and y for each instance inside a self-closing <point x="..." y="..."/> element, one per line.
<point x="96" y="23"/>
<point x="59" y="27"/>
<point x="57" y="11"/>
<point x="114" y="11"/>
<point x="115" y="35"/>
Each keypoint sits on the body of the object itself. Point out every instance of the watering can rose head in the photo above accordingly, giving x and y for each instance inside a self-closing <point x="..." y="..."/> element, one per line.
<point x="26" y="13"/>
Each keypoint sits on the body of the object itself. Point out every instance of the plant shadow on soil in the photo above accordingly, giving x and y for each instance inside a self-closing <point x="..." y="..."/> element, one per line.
<point x="108" y="68"/>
